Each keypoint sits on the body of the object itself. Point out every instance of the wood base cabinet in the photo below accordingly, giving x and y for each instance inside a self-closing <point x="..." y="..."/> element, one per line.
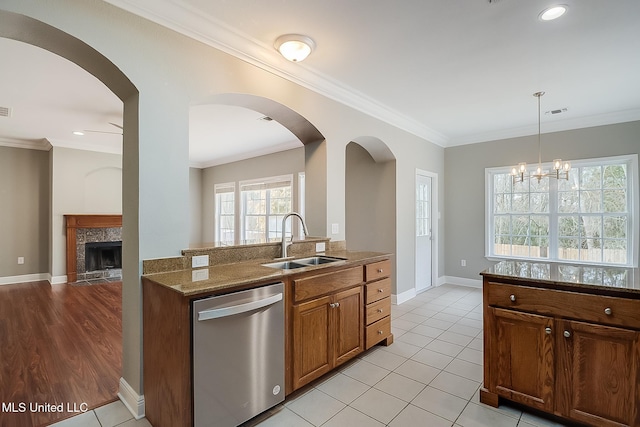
<point x="577" y="364"/>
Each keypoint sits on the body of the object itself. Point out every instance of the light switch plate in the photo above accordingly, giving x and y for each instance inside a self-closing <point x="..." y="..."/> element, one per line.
<point x="320" y="247"/>
<point x="199" y="261"/>
<point x="335" y="228"/>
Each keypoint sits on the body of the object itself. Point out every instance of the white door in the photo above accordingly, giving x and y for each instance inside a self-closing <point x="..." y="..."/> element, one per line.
<point x="424" y="235"/>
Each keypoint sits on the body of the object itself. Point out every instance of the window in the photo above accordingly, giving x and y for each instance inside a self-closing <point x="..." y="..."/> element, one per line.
<point x="225" y="213"/>
<point x="263" y="205"/>
<point x="588" y="218"/>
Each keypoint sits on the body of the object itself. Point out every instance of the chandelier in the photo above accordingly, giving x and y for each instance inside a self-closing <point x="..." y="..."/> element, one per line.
<point x="520" y="173"/>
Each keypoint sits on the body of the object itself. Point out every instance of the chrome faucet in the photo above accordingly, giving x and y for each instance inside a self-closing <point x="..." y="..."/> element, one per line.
<point x="286" y="244"/>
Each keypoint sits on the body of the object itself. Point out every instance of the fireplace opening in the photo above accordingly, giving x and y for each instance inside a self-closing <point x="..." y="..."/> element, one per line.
<point x="103" y="256"/>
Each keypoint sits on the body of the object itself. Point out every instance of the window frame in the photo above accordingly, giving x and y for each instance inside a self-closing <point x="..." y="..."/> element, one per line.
<point x="220" y="189"/>
<point x="633" y="200"/>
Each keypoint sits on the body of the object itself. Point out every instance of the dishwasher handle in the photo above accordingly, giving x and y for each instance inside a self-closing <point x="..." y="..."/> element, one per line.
<point x="217" y="313"/>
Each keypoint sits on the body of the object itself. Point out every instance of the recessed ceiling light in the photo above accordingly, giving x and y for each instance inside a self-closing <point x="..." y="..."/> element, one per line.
<point x="553" y="12"/>
<point x="79" y="133"/>
<point x="294" y="47"/>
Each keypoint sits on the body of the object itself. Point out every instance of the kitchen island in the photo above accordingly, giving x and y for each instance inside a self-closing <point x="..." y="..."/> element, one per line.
<point x="333" y="312"/>
<point x="563" y="339"/>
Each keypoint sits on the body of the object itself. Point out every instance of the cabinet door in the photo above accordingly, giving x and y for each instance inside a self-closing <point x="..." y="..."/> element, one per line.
<point x="312" y="346"/>
<point x="522" y="351"/>
<point x="600" y="378"/>
<point x="349" y="324"/>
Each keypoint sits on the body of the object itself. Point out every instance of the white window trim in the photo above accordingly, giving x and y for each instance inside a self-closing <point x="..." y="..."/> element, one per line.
<point x="216" y="219"/>
<point x="634" y="202"/>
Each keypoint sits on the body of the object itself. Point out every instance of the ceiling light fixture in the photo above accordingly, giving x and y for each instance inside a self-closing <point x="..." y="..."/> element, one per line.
<point x="79" y="133"/>
<point x="561" y="168"/>
<point x="553" y="12"/>
<point x="294" y="47"/>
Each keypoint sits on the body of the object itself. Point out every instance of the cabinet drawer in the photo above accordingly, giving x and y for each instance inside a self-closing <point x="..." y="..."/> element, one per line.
<point x="321" y="284"/>
<point x="378" y="331"/>
<point x="378" y="310"/>
<point x="377" y="270"/>
<point x="564" y="304"/>
<point x="377" y="290"/>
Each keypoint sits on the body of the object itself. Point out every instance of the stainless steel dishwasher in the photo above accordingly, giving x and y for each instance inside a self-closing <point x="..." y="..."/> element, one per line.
<point x="238" y="355"/>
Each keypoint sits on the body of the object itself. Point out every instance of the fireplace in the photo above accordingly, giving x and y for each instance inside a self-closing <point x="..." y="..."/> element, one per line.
<point x="94" y="247"/>
<point x="102" y="256"/>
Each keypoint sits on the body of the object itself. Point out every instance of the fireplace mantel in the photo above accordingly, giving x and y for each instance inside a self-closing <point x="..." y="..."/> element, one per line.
<point x="73" y="222"/>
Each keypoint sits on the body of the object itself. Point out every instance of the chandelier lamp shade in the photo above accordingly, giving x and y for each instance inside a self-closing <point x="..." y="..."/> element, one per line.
<point x="294" y="47"/>
<point x="560" y="169"/>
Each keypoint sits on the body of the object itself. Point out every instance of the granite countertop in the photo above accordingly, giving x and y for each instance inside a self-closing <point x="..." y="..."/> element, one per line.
<point x="567" y="275"/>
<point x="190" y="282"/>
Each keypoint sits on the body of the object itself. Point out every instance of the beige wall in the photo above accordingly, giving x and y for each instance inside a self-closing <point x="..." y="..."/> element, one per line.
<point x="24" y="224"/>
<point x="84" y="182"/>
<point x="195" y="205"/>
<point x="465" y="178"/>
<point x="171" y="73"/>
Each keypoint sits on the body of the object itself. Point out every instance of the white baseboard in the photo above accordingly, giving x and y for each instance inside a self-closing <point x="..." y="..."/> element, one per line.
<point x="131" y="399"/>
<point x="463" y="281"/>
<point x="56" y="280"/>
<point x="403" y="297"/>
<point x="9" y="280"/>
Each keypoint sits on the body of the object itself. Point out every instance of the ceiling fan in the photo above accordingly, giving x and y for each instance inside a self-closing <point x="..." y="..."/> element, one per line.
<point x="106" y="131"/>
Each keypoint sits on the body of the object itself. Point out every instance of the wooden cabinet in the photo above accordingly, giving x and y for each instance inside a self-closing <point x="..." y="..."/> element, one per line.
<point x="327" y="330"/>
<point x="562" y="352"/>
<point x="378" y="303"/>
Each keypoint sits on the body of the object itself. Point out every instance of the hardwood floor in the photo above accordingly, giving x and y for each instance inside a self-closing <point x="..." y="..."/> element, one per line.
<point x="59" y="344"/>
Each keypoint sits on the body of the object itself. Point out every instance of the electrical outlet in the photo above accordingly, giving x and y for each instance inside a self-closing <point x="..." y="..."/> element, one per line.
<point x="463" y="262"/>
<point x="199" y="261"/>
<point x="202" y="274"/>
<point x="20" y="260"/>
<point x="320" y="247"/>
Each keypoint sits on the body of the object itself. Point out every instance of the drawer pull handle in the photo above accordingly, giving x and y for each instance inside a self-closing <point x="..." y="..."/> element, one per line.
<point x="512" y="298"/>
<point x="380" y="290"/>
<point x="608" y="311"/>
<point x="379" y="310"/>
<point x="567" y="334"/>
<point x="547" y="330"/>
<point x="379" y="270"/>
<point x="379" y="332"/>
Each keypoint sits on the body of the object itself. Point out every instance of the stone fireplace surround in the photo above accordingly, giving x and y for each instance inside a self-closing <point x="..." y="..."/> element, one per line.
<point x="83" y="229"/>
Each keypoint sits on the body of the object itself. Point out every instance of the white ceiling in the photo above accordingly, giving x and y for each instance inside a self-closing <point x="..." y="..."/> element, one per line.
<point x="454" y="72"/>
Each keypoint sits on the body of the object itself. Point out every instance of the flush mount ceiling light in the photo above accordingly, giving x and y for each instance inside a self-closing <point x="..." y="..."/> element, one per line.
<point x="520" y="173"/>
<point x="294" y="47"/>
<point x="78" y="133"/>
<point x="553" y="12"/>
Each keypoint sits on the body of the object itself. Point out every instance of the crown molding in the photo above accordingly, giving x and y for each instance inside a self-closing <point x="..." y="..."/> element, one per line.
<point x="95" y="147"/>
<point x="29" y="144"/>
<point x="548" y="127"/>
<point x="193" y="23"/>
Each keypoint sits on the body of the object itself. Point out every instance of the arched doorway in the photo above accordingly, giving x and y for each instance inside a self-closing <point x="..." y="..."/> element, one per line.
<point x="28" y="30"/>
<point x="370" y="197"/>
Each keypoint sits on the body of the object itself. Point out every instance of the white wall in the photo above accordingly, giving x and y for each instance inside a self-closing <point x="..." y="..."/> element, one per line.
<point x="83" y="182"/>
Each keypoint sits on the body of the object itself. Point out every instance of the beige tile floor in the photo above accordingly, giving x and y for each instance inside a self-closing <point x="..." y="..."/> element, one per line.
<point x="430" y="376"/>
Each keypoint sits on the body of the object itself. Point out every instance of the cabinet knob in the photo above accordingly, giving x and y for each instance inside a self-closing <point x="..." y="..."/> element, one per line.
<point x="512" y="298"/>
<point x="608" y="311"/>
<point x="379" y="270"/>
<point x="379" y="310"/>
<point x="381" y="290"/>
<point x="566" y="334"/>
<point x="547" y="330"/>
<point x="334" y="304"/>
<point x="379" y="332"/>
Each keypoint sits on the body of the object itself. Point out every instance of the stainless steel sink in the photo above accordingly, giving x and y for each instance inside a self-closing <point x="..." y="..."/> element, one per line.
<point x="318" y="260"/>
<point x="285" y="265"/>
<point x="303" y="262"/>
